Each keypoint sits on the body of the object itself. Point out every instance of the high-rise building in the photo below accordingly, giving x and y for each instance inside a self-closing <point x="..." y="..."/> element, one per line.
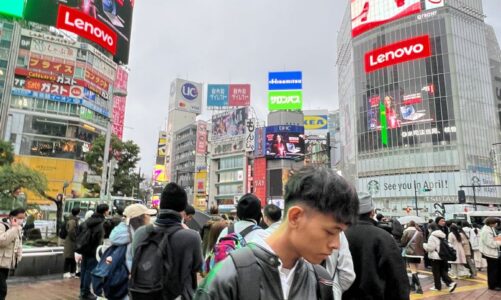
<point x="418" y="113"/>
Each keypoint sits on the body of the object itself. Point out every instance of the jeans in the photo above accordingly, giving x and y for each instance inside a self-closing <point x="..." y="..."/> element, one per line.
<point x="4" y="273"/>
<point x="493" y="272"/>
<point x="88" y="264"/>
<point x="440" y="269"/>
<point x="70" y="265"/>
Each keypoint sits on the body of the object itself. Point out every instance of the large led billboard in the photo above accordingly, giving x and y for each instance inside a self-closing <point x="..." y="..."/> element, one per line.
<point x="12" y="8"/>
<point x="105" y="22"/>
<point x="369" y="14"/>
<point x="284" y="142"/>
<point x="229" y="124"/>
<point x="285" y="100"/>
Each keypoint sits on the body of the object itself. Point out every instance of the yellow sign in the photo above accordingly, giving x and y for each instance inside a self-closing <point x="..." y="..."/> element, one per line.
<point x="58" y="171"/>
<point x="159" y="174"/>
<point x="316" y="122"/>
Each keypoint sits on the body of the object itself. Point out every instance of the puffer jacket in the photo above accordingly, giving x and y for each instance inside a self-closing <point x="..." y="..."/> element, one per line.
<point x="433" y="245"/>
<point x="222" y="282"/>
<point x="488" y="245"/>
<point x="122" y="235"/>
<point x="415" y="249"/>
<point x="10" y="246"/>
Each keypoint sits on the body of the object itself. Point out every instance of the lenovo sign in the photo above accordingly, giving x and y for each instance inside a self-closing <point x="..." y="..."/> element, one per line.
<point x="415" y="48"/>
<point x="87" y="27"/>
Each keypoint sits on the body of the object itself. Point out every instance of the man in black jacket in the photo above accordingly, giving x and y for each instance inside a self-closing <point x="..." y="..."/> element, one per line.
<point x="185" y="244"/>
<point x="88" y="250"/>
<point x="378" y="263"/>
<point x="319" y="205"/>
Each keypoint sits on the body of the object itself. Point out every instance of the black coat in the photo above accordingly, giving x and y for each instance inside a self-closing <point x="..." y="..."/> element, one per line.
<point x="378" y="263"/>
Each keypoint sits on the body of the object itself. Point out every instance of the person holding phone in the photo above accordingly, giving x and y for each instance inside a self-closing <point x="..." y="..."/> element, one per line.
<point x="10" y="246"/>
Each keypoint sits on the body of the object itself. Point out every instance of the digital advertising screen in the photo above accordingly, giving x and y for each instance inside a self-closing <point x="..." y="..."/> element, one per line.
<point x="285" y="142"/>
<point x="369" y="14"/>
<point x="105" y="22"/>
<point x="229" y="124"/>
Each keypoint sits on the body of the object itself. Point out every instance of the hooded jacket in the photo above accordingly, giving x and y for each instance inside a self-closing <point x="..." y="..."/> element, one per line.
<point x="122" y="235"/>
<point x="433" y="245"/>
<point x="378" y="262"/>
<point x="71" y="238"/>
<point x="222" y="282"/>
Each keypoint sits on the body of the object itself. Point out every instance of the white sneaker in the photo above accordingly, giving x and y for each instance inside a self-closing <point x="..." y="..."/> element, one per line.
<point x="73" y="275"/>
<point x="433" y="289"/>
<point x="452" y="287"/>
<point x="66" y="275"/>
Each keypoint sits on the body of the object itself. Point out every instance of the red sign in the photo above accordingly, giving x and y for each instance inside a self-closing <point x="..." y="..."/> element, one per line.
<point x="369" y="14"/>
<point x="239" y="95"/>
<point x="50" y="66"/>
<point x="412" y="99"/>
<point x="403" y="51"/>
<point x="250" y="179"/>
<point x="53" y="88"/>
<point x="118" y="116"/>
<point x="87" y="27"/>
<point x="201" y="138"/>
<point x="260" y="179"/>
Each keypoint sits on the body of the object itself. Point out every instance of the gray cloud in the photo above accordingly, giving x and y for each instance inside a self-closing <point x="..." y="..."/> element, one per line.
<point x="236" y="41"/>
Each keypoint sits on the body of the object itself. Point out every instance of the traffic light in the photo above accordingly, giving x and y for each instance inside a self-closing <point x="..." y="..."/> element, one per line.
<point x="461" y="197"/>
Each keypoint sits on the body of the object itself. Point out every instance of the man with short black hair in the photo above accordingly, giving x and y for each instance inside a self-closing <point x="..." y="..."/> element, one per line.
<point x="88" y="247"/>
<point x="272" y="215"/>
<point x="185" y="246"/>
<point x="71" y="226"/>
<point x="249" y="215"/>
<point x="188" y="213"/>
<point x="11" y="249"/>
<point x="319" y="205"/>
<point x="379" y="267"/>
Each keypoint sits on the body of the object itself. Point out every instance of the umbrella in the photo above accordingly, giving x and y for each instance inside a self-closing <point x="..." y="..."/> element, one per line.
<point x="407" y="219"/>
<point x="198" y="221"/>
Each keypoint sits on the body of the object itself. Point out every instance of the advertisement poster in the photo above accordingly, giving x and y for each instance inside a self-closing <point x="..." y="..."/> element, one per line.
<point x="260" y="179"/>
<point x="187" y="95"/>
<point x="432" y="4"/>
<point x="229" y="124"/>
<point x="239" y="94"/>
<point x="285" y="100"/>
<point x="285" y="142"/>
<point x="260" y="142"/>
<point x="217" y="95"/>
<point x="119" y="102"/>
<point x="285" y="81"/>
<point x="369" y="14"/>
<point x="201" y="143"/>
<point x="106" y="22"/>
<point x="320" y="122"/>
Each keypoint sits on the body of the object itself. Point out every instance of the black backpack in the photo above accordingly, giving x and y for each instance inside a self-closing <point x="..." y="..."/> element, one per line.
<point x="152" y="274"/>
<point x="63" y="232"/>
<point x="84" y="240"/>
<point x="446" y="252"/>
<point x="249" y="276"/>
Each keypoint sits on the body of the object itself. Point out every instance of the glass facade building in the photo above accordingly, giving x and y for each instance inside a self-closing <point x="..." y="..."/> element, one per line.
<point x="419" y="128"/>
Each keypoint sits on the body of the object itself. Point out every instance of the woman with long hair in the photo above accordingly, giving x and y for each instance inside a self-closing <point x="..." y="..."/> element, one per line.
<point x="457" y="240"/>
<point x="215" y="230"/>
<point x="412" y="241"/>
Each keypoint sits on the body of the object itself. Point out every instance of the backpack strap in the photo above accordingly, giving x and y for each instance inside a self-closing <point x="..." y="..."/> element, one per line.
<point x="248" y="230"/>
<point x="231" y="228"/>
<point x="324" y="283"/>
<point x="248" y="274"/>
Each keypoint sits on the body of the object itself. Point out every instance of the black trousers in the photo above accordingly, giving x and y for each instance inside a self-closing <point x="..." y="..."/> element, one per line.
<point x="440" y="270"/>
<point x="493" y="272"/>
<point x="70" y="265"/>
<point x="4" y="273"/>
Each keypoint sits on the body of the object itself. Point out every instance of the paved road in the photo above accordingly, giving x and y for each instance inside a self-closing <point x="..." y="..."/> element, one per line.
<point x="69" y="289"/>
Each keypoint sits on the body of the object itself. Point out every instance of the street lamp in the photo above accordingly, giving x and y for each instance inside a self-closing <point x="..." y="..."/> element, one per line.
<point x="104" y="178"/>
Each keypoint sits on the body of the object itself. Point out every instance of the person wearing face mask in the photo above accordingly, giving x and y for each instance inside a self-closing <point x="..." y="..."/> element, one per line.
<point x="10" y="246"/>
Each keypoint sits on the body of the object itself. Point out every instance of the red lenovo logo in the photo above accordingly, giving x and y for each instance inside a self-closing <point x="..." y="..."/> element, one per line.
<point x="415" y="48"/>
<point x="87" y="27"/>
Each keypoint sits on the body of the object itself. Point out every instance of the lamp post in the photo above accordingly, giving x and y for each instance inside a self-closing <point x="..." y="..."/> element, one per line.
<point x="104" y="177"/>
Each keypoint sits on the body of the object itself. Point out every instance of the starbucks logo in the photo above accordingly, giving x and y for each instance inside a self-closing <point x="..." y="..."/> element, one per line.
<point x="373" y="187"/>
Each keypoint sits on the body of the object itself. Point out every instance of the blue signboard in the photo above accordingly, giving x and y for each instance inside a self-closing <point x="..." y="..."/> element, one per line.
<point x="285" y="81"/>
<point x="217" y="94"/>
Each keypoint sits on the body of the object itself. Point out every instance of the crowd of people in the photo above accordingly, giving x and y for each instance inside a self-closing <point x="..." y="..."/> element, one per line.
<point x="328" y="243"/>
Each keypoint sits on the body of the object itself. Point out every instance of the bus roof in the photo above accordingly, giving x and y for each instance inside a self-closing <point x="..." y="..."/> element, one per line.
<point x="484" y="213"/>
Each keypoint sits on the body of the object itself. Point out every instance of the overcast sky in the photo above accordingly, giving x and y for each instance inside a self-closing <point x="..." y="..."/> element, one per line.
<point x="237" y="41"/>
